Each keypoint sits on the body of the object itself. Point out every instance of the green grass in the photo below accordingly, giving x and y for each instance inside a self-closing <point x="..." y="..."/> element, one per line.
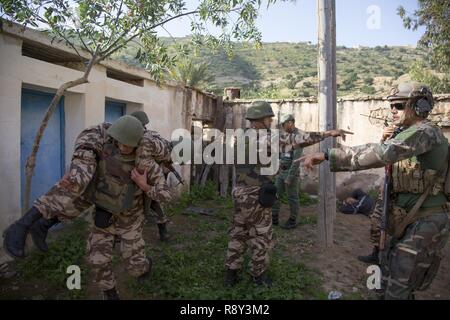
<point x="190" y="266"/>
<point x="197" y="270"/>
<point x="68" y="249"/>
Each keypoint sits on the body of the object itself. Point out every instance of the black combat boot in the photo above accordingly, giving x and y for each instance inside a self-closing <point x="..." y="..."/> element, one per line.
<point x="262" y="280"/>
<point x="143" y="277"/>
<point x="231" y="278"/>
<point x="290" y="224"/>
<point x="371" y="258"/>
<point x="16" y="234"/>
<point x="39" y="231"/>
<point x="111" y="294"/>
<point x="163" y="235"/>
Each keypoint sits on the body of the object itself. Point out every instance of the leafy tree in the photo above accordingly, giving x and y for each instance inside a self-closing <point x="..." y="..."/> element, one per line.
<point x="97" y="29"/>
<point x="437" y="83"/>
<point x="434" y="15"/>
<point x="368" y="90"/>
<point x="308" y="84"/>
<point x="349" y="81"/>
<point x="368" y="81"/>
<point x="189" y="73"/>
<point x="291" y="83"/>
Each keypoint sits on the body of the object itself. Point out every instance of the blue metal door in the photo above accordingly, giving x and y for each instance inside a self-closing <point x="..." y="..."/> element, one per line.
<point x="114" y="110"/>
<point x="50" y="157"/>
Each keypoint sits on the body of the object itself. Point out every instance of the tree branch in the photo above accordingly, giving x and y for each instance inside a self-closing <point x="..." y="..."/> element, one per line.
<point x="145" y="30"/>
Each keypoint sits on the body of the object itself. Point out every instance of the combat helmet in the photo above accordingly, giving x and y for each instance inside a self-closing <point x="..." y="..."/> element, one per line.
<point x="127" y="130"/>
<point x="418" y="95"/>
<point x="286" y="118"/>
<point x="259" y="110"/>
<point x="141" y="116"/>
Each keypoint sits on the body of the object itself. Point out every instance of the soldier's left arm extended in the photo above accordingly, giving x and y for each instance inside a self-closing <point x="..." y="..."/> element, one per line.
<point x="377" y="155"/>
<point x="289" y="141"/>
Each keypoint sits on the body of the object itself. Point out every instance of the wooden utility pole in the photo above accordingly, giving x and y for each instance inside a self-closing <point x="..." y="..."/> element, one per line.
<point x="327" y="116"/>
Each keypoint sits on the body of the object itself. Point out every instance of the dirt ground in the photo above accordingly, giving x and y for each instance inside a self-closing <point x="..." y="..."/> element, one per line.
<point x="339" y="268"/>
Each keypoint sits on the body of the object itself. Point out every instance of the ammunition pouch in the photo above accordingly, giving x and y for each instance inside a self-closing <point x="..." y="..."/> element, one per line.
<point x="267" y="195"/>
<point x="409" y="177"/>
<point x="102" y="219"/>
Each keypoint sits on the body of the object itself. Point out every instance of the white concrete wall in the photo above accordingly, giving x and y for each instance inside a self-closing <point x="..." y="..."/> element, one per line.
<point x="10" y="98"/>
<point x="348" y="118"/>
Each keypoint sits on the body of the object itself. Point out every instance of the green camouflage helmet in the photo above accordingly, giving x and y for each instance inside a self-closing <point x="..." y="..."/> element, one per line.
<point x="141" y="116"/>
<point x="259" y="110"/>
<point x="286" y="118"/>
<point x="127" y="130"/>
<point x="419" y="94"/>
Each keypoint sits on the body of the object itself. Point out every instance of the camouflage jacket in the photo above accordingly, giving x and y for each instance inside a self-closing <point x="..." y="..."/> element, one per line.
<point x="155" y="147"/>
<point x="287" y="158"/>
<point x="423" y="145"/>
<point x="92" y="140"/>
<point x="250" y="174"/>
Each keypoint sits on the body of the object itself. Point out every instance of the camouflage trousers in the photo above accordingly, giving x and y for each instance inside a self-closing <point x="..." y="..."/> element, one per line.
<point x="132" y="247"/>
<point x="410" y="264"/>
<point x="65" y="199"/>
<point x="292" y="195"/>
<point x="375" y="221"/>
<point x="252" y="224"/>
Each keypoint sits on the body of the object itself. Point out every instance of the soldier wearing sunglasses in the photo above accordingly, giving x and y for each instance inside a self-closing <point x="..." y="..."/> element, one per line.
<point x="416" y="155"/>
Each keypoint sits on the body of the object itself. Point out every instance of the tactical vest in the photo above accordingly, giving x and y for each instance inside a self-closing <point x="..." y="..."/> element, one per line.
<point x="114" y="189"/>
<point x="250" y="174"/>
<point x="414" y="175"/>
<point x="408" y="176"/>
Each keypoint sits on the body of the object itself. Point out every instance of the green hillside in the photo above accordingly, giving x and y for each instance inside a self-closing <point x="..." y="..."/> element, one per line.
<point x="282" y="70"/>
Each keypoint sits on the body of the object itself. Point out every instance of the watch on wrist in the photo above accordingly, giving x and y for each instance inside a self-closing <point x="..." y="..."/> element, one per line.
<point x="326" y="155"/>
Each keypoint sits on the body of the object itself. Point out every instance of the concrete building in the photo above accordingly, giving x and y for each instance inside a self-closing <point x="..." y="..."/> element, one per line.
<point x="32" y="68"/>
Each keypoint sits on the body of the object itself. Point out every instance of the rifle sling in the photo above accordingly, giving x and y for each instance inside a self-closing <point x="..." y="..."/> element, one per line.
<point x="412" y="215"/>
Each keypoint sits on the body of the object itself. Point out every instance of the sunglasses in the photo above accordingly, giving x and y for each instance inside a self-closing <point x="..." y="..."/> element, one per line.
<point x="398" y="106"/>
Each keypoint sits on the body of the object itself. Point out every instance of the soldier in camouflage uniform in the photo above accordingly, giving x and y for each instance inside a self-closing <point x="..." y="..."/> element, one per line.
<point x="287" y="179"/>
<point x="254" y="195"/>
<point x="161" y="152"/>
<point x="417" y="219"/>
<point x="110" y="169"/>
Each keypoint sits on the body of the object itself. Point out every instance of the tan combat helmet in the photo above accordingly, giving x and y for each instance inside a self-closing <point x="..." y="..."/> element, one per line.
<point x="418" y="95"/>
<point x="127" y="130"/>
